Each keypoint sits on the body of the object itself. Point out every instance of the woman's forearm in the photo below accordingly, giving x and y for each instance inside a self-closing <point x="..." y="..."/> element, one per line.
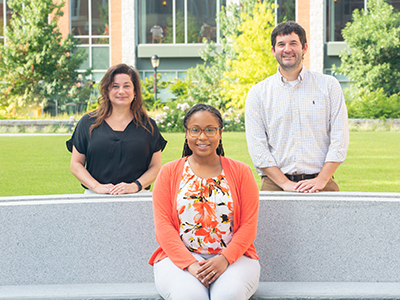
<point x="150" y="175"/>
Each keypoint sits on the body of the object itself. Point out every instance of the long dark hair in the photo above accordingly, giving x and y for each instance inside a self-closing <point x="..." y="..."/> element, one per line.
<point x="202" y="107"/>
<point x="140" y="117"/>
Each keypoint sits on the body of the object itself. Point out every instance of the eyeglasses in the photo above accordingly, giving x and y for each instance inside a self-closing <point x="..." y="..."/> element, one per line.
<point x="208" y="131"/>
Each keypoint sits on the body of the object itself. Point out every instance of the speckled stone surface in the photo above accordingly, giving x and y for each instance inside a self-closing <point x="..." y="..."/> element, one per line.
<point x="329" y="237"/>
<point x="266" y="291"/>
<point x="76" y="239"/>
<point x="306" y="244"/>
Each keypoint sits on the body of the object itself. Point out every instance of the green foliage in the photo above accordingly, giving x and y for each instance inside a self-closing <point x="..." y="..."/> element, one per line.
<point x="254" y="61"/>
<point x="288" y="10"/>
<point x="148" y="91"/>
<point x="205" y="79"/>
<point x="374" y="105"/>
<point x="215" y="82"/>
<point x="81" y="95"/>
<point x="180" y="89"/>
<point x="170" y="120"/>
<point x="233" y="120"/>
<point x="36" y="63"/>
<point x="92" y="103"/>
<point x="374" y="40"/>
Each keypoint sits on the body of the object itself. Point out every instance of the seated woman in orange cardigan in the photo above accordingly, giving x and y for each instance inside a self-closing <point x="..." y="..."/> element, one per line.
<point x="205" y="213"/>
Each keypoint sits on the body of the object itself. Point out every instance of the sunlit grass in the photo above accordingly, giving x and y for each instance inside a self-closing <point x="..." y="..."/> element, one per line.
<point x="39" y="165"/>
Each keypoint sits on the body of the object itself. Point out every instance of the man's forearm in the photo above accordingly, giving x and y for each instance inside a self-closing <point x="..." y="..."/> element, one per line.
<point x="276" y="175"/>
<point x="328" y="169"/>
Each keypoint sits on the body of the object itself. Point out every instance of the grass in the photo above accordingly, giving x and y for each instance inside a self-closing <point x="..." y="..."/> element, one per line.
<point x="39" y="165"/>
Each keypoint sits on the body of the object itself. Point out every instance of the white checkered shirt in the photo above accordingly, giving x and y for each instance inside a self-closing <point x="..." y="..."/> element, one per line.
<point x="296" y="126"/>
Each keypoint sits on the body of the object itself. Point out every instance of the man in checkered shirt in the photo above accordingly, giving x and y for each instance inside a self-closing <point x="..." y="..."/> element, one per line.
<point x="296" y="121"/>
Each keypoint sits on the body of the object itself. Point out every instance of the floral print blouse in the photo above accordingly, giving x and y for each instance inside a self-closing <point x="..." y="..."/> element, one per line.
<point x="205" y="211"/>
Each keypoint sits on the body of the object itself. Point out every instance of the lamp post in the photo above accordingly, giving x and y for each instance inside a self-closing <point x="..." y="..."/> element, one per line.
<point x="155" y="62"/>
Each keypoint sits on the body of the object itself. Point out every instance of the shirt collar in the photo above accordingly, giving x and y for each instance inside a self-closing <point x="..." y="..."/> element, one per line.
<point x="300" y="78"/>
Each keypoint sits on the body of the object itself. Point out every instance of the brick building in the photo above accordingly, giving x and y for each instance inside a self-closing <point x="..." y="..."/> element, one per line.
<point x="131" y="31"/>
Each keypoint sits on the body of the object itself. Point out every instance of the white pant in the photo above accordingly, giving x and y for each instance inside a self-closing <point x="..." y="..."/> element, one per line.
<point x="238" y="282"/>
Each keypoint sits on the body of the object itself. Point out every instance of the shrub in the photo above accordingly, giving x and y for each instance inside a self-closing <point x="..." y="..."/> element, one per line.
<point x="148" y="93"/>
<point x="48" y="129"/>
<point x="15" y="129"/>
<point x="373" y="37"/>
<point x="170" y="120"/>
<point x="31" y="129"/>
<point x="173" y="112"/>
<point x="233" y="120"/>
<point x="62" y="129"/>
<point x="374" y="105"/>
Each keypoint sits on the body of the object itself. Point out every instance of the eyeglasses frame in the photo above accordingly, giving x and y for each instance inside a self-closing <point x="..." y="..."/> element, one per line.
<point x="203" y="130"/>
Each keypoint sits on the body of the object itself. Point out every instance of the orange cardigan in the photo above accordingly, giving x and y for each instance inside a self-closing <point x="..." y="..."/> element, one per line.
<point x="245" y="195"/>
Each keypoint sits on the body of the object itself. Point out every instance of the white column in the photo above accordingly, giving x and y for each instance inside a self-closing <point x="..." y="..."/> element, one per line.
<point x="316" y="42"/>
<point x="128" y="31"/>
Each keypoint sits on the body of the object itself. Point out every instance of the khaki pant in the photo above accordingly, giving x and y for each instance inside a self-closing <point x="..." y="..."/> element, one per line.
<point x="268" y="185"/>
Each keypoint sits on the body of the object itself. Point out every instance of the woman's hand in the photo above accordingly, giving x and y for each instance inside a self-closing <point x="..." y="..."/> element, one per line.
<point x="103" y="188"/>
<point x="193" y="269"/>
<point x="211" y="269"/>
<point x="124" y="188"/>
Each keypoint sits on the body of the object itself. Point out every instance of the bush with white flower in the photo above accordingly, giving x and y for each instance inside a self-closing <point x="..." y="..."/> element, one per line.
<point x="171" y="119"/>
<point x="233" y="120"/>
<point x="173" y="112"/>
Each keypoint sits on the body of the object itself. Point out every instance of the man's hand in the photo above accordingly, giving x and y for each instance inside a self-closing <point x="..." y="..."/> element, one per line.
<point x="289" y="186"/>
<point x="311" y="185"/>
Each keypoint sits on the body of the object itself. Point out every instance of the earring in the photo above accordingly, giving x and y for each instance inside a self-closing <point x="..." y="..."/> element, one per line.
<point x="220" y="150"/>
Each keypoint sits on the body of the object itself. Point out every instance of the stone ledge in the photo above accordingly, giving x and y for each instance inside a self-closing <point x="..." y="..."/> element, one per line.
<point x="266" y="291"/>
<point x="40" y="124"/>
<point x="333" y="245"/>
<point x="36" y="122"/>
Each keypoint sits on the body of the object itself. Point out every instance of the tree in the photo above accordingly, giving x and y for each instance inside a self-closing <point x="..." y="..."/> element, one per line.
<point x="36" y="63"/>
<point x="254" y="60"/>
<point x="374" y="40"/>
<point x="215" y="81"/>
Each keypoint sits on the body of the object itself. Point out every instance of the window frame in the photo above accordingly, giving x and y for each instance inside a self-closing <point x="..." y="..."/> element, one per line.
<point x="90" y="45"/>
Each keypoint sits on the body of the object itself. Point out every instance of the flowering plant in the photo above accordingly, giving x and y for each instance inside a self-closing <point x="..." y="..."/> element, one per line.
<point x="233" y="120"/>
<point x="170" y="119"/>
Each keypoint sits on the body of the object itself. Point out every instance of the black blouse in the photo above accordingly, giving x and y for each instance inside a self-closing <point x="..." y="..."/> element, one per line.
<point x="116" y="156"/>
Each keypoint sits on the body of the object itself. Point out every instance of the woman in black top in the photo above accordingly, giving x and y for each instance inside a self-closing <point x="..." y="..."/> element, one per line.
<point x="118" y="143"/>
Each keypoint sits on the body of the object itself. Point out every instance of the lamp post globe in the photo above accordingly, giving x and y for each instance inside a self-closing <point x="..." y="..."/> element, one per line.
<point x="155" y="61"/>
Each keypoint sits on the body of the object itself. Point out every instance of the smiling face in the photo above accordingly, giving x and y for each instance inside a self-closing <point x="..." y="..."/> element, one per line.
<point x="203" y="145"/>
<point x="121" y="91"/>
<point x="289" y="52"/>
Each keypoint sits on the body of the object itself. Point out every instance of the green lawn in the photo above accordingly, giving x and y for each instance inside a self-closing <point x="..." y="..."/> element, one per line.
<point x="39" y="165"/>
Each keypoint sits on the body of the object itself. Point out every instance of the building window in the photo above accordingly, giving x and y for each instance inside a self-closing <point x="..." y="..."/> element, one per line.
<point x="339" y="13"/>
<point x="178" y="21"/>
<point x="285" y="10"/>
<point x="5" y="17"/>
<point x="90" y="24"/>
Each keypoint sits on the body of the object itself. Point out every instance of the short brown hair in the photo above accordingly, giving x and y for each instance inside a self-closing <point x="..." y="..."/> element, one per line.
<point x="287" y="28"/>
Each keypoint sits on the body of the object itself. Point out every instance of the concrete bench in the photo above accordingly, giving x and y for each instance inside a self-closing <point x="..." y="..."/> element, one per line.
<point x="320" y="246"/>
